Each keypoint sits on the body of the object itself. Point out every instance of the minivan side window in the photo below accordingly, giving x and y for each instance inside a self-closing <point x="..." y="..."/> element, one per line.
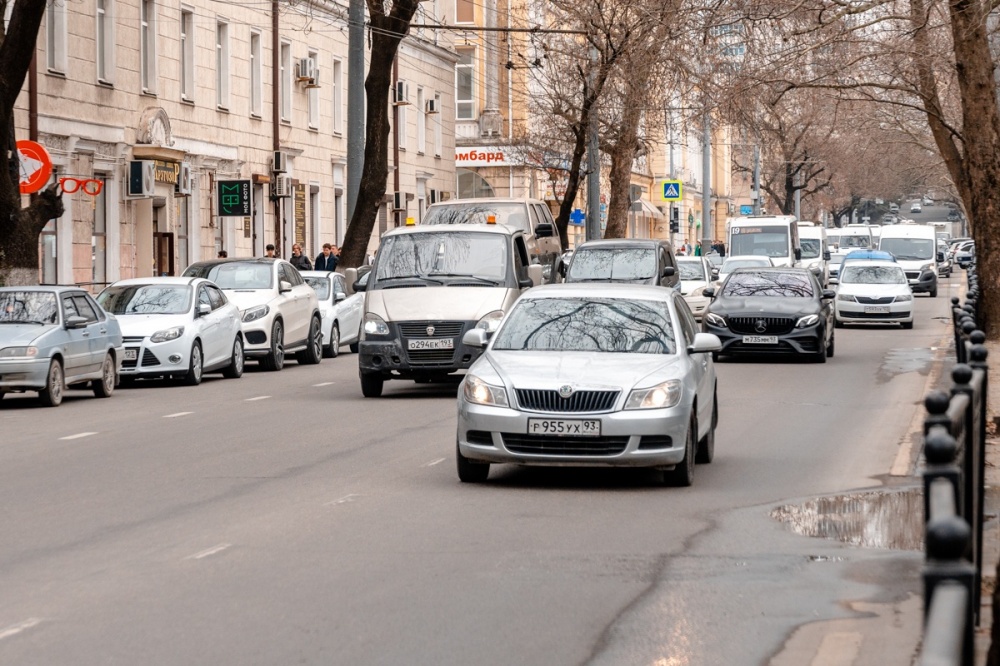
<point x="534" y="217"/>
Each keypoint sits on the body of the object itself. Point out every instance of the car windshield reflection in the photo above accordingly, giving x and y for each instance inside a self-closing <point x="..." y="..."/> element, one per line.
<point x="146" y="299"/>
<point x="588" y="325"/>
<point x="28" y="307"/>
<point x="321" y="285"/>
<point x="873" y="275"/>
<point x="748" y="283"/>
<point x="609" y="264"/>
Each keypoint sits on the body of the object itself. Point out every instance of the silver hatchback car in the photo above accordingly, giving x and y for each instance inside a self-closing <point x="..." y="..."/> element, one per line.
<point x="594" y="374"/>
<point x="52" y="338"/>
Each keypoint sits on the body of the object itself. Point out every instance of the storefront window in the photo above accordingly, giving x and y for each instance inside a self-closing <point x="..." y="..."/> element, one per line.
<point x="98" y="241"/>
<point x="471" y="185"/>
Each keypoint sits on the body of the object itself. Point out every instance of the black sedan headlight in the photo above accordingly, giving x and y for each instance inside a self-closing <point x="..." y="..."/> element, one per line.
<point x="713" y="319"/>
<point x="807" y="321"/>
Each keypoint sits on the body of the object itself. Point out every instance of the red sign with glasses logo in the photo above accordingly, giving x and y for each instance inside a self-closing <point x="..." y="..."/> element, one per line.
<point x="35" y="166"/>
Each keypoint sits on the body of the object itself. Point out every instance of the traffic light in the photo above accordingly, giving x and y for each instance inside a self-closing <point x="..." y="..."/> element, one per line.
<point x="675" y="220"/>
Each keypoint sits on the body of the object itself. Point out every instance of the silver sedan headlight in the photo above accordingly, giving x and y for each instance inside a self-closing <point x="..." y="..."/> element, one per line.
<point x="480" y="393"/>
<point x="167" y="335"/>
<point x="661" y="396"/>
<point x="255" y="313"/>
<point x="19" y="352"/>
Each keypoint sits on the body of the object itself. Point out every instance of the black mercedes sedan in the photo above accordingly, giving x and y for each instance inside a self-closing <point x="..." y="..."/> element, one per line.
<point x="772" y="311"/>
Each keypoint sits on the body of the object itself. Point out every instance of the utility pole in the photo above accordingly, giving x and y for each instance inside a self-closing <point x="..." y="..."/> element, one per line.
<point x="355" y="102"/>
<point x="798" y="196"/>
<point x="668" y="132"/>
<point x="756" y="179"/>
<point x="593" y="164"/>
<point x="706" y="176"/>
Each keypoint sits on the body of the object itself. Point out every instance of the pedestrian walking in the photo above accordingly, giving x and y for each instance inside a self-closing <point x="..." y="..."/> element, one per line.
<point x="299" y="260"/>
<point x="326" y="260"/>
<point x="269" y="251"/>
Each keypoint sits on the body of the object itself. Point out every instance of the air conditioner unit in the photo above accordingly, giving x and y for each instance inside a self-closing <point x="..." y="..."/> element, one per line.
<point x="398" y="201"/>
<point x="306" y="70"/>
<point x="402" y="93"/>
<point x="141" y="178"/>
<point x="314" y="81"/>
<point x="431" y="106"/>
<point x="185" y="180"/>
<point x="279" y="163"/>
<point x="282" y="186"/>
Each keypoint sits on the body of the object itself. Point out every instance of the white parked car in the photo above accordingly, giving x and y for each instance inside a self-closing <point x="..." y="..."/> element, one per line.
<point x="874" y="292"/>
<point x="696" y="274"/>
<point x="742" y="261"/>
<point x="341" y="313"/>
<point x="175" y="327"/>
<point x="279" y="311"/>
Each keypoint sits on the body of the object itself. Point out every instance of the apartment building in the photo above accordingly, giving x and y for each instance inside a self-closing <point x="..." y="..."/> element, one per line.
<point x="160" y="100"/>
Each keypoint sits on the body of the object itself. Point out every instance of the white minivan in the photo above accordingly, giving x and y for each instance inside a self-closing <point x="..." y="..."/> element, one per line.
<point x="815" y="251"/>
<point x="915" y="248"/>
<point x="772" y="236"/>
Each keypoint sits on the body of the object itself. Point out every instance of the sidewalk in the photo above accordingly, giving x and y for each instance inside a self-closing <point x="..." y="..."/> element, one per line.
<point x="991" y="526"/>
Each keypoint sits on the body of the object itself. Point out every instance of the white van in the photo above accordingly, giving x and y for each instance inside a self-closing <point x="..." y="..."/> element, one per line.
<point x="774" y="236"/>
<point x="915" y="248"/>
<point x="856" y="237"/>
<point x="815" y="251"/>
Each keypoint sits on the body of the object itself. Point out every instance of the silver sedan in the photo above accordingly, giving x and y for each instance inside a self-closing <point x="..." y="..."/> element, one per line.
<point x="606" y="375"/>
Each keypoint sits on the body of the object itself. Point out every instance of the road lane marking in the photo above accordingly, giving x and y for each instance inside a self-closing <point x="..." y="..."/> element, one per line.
<point x="210" y="551"/>
<point x="435" y="462"/>
<point x="346" y="499"/>
<point x="79" y="435"/>
<point x="260" y="397"/>
<point x="174" y="416"/>
<point x="15" y="629"/>
<point x="325" y="384"/>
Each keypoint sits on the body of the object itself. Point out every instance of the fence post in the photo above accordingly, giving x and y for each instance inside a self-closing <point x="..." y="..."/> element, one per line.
<point x="973" y="466"/>
<point x="940" y="451"/>
<point x="978" y="355"/>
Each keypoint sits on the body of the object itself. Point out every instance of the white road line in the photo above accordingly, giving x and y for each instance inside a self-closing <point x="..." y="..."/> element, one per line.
<point x="79" y="435"/>
<point x="174" y="416"/>
<point x="260" y="397"/>
<point x="325" y="384"/>
<point x="15" y="629"/>
<point x="210" y="551"/>
<point x="346" y="499"/>
<point x="434" y="462"/>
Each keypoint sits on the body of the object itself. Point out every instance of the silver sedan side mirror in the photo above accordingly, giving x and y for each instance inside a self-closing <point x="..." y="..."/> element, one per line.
<point x="705" y="342"/>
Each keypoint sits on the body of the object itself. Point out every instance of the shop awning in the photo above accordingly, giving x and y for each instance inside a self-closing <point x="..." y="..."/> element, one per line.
<point x="646" y="209"/>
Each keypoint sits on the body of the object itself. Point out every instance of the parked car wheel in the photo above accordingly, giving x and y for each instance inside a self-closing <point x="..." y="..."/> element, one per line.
<point x="906" y="324"/>
<point x="333" y="349"/>
<point x="52" y="394"/>
<point x="683" y="474"/>
<point x="196" y="367"/>
<point x="105" y="386"/>
<point x="236" y="364"/>
<point x="312" y="354"/>
<point x="468" y="471"/>
<point x="371" y="385"/>
<point x="275" y="360"/>
<point x="934" y="292"/>
<point x="706" y="447"/>
<point x="829" y="349"/>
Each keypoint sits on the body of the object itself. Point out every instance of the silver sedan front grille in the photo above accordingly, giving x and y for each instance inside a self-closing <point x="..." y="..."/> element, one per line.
<point x="536" y="400"/>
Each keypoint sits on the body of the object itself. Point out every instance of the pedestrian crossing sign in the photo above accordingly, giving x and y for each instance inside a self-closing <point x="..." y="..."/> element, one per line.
<point x="672" y="190"/>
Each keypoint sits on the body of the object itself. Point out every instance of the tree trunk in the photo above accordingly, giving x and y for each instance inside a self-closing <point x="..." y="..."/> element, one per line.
<point x="622" y="158"/>
<point x="386" y="33"/>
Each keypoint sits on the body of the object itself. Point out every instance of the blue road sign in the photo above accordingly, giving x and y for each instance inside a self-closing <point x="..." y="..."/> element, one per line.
<point x="746" y="210"/>
<point x="672" y="190"/>
<point x="577" y="217"/>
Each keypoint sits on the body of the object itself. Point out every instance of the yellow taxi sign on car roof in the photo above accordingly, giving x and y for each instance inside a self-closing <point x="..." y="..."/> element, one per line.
<point x="410" y="222"/>
<point x="491" y="219"/>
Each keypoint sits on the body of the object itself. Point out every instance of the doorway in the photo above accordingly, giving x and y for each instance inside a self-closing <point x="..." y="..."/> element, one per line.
<point x="163" y="253"/>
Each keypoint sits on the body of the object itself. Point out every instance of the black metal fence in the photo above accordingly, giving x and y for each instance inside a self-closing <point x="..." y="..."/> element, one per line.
<point x="954" y="489"/>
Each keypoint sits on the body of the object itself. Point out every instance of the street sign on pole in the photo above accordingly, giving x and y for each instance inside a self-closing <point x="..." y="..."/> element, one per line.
<point x="672" y="190"/>
<point x="577" y="217"/>
<point x="36" y="166"/>
<point x="746" y="210"/>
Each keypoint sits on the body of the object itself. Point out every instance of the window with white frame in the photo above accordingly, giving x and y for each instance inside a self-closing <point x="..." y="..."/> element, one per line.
<point x="438" y="133"/>
<point x="465" y="84"/>
<point x="55" y="36"/>
<point x="187" y="55"/>
<point x="421" y="114"/>
<point x="338" y="97"/>
<point x="312" y="94"/>
<point x="105" y="38"/>
<point x="286" y="81"/>
<point x="222" y="64"/>
<point x="256" y="76"/>
<point x="147" y="45"/>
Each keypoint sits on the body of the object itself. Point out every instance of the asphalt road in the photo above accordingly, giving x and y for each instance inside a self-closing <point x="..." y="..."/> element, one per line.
<point x="282" y="518"/>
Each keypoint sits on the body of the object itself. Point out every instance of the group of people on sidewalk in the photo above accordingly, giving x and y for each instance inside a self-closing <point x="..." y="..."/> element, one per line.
<point x="714" y="247"/>
<point x="325" y="260"/>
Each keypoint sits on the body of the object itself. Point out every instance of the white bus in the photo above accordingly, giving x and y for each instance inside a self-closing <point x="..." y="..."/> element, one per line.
<point x="774" y="236"/>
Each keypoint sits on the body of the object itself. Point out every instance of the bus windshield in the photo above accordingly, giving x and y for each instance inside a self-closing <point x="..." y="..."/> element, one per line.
<point x="765" y="241"/>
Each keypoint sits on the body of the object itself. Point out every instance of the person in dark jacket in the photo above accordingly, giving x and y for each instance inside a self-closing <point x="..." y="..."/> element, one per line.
<point x="299" y="260"/>
<point x="327" y="260"/>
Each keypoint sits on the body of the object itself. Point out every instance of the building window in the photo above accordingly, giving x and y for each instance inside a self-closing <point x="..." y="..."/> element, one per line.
<point x="147" y="45"/>
<point x="98" y="241"/>
<point x="421" y="122"/>
<point x="286" y="82"/>
<point x="313" y="219"/>
<point x="438" y="134"/>
<point x="401" y="125"/>
<point x="55" y="36"/>
<point x="187" y="55"/>
<point x="465" y="11"/>
<point x="338" y="97"/>
<point x="48" y="242"/>
<point x="312" y="95"/>
<point x="183" y="224"/>
<point x="222" y="64"/>
<point x="465" y="88"/>
<point x="105" y="41"/>
<point x="256" y="76"/>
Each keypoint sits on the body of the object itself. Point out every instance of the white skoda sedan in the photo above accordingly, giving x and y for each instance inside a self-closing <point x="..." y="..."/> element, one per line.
<point x="874" y="292"/>
<point x="595" y="374"/>
<point x="176" y="327"/>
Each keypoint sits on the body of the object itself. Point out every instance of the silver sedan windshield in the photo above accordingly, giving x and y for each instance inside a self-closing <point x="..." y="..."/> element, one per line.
<point x="592" y="325"/>
<point x="28" y="307"/>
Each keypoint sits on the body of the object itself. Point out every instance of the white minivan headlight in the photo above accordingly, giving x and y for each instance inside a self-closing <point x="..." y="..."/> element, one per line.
<point x="167" y="335"/>
<point x="490" y="322"/>
<point x="661" y="396"/>
<point x="479" y="392"/>
<point x="374" y="326"/>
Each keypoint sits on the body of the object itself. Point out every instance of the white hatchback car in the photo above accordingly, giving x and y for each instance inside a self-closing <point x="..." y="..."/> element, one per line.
<point x="873" y="292"/>
<point x="341" y="313"/>
<point x="175" y="327"/>
<point x="696" y="274"/>
<point x="279" y="311"/>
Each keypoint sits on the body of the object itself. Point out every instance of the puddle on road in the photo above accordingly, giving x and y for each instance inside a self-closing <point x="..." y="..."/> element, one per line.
<point x="901" y="361"/>
<point x="874" y="519"/>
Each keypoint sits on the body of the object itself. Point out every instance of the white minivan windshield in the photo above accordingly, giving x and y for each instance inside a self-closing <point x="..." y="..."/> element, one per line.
<point x="766" y="241"/>
<point x="909" y="249"/>
<point x="443" y="255"/>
